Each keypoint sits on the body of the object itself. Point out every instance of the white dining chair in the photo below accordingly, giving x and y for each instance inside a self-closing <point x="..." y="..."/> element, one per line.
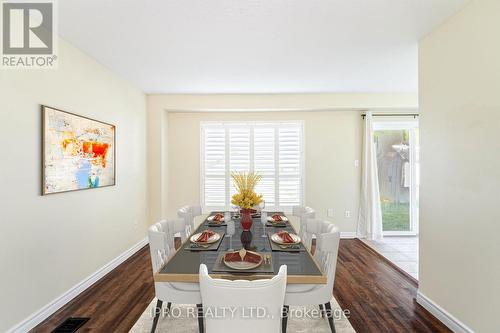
<point x="189" y="213"/>
<point x="327" y="246"/>
<point x="177" y="228"/>
<point x="313" y="228"/>
<point x="162" y="248"/>
<point x="242" y="295"/>
<point x="303" y="213"/>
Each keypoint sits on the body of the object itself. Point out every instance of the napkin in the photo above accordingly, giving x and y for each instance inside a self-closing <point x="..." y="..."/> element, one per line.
<point x="285" y="236"/>
<point x="218" y="217"/>
<point x="205" y="235"/>
<point x="277" y="218"/>
<point x="249" y="257"/>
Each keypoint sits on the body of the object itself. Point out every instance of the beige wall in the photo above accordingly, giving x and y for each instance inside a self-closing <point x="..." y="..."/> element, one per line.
<point x="332" y="143"/>
<point x="274" y="102"/>
<point x="341" y="137"/>
<point x="157" y="158"/>
<point x="50" y="243"/>
<point x="460" y="189"/>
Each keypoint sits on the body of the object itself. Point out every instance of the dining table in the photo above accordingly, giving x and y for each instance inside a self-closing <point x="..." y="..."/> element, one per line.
<point x="183" y="266"/>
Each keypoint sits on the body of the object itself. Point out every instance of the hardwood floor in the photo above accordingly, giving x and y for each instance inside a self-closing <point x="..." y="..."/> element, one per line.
<point x="378" y="296"/>
<point x="115" y="302"/>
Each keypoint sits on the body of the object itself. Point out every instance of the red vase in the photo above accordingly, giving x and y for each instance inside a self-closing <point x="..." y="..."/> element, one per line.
<point x="246" y="219"/>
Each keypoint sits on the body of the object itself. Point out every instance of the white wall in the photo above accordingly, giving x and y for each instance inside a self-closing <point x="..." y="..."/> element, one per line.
<point x="50" y="243"/>
<point x="332" y="143"/>
<point x="460" y="188"/>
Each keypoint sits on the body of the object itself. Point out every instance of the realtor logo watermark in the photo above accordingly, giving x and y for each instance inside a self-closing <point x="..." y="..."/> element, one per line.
<point x="28" y="36"/>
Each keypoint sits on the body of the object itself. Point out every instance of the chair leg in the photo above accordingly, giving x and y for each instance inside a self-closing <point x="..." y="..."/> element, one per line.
<point x="157" y="314"/>
<point x="322" y="310"/>
<point x="329" y="314"/>
<point x="284" y="320"/>
<point x="200" y="318"/>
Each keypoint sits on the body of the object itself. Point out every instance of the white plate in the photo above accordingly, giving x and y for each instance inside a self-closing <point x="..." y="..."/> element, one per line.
<point x="214" y="238"/>
<point x="277" y="239"/>
<point x="283" y="219"/>
<point x="243" y="265"/>
<point x="211" y="219"/>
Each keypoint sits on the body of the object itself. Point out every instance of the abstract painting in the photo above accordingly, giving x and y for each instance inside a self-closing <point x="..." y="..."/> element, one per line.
<point x="78" y="152"/>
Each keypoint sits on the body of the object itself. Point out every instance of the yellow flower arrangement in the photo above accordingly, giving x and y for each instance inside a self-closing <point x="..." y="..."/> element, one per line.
<point x="245" y="183"/>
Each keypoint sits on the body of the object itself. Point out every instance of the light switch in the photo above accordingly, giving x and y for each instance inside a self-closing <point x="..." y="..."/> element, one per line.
<point x="347" y="213"/>
<point x="330" y="212"/>
<point x="356" y="163"/>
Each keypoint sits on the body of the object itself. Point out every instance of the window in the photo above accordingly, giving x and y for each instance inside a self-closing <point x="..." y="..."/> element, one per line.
<point x="273" y="149"/>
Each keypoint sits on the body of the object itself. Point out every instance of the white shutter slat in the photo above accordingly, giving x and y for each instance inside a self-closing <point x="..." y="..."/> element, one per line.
<point x="290" y="143"/>
<point x="266" y="187"/>
<point x="215" y="192"/>
<point x="264" y="163"/>
<point x="239" y="149"/>
<point x="239" y="153"/>
<point x="214" y="166"/>
<point x="264" y="152"/>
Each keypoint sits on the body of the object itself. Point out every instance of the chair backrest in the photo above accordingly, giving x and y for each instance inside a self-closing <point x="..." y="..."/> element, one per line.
<point x="161" y="237"/>
<point x="303" y="213"/>
<point x="297" y="211"/>
<point x="316" y="227"/>
<point x="309" y="212"/>
<point x="177" y="227"/>
<point x="159" y="244"/>
<point x="307" y="235"/>
<point x="242" y="297"/>
<point x="196" y="210"/>
<point x="188" y="213"/>
<point x="327" y="248"/>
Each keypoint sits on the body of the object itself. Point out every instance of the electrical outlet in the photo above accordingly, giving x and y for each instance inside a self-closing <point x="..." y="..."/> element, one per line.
<point x="347" y="213"/>
<point x="330" y="212"/>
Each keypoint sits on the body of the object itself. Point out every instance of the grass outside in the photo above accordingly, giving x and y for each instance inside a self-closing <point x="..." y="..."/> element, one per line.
<point x="396" y="217"/>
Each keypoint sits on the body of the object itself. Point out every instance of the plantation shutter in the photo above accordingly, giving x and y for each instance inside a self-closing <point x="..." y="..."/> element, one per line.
<point x="265" y="163"/>
<point x="272" y="149"/>
<point x="289" y="166"/>
<point x="214" y="163"/>
<point x="239" y="152"/>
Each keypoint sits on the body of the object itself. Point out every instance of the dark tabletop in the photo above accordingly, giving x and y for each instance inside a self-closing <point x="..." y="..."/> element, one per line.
<point x="188" y="262"/>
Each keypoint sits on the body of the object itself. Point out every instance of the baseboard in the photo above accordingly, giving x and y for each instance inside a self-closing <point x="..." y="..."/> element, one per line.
<point x="442" y="315"/>
<point x="347" y="234"/>
<point x="42" y="314"/>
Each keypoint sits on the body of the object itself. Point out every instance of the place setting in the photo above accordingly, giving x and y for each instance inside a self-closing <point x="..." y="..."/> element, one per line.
<point x="218" y="219"/>
<point x="276" y="220"/>
<point x="207" y="240"/>
<point x="244" y="261"/>
<point x="285" y="242"/>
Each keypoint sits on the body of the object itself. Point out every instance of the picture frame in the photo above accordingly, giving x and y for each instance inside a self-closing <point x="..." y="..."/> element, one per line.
<point x="78" y="152"/>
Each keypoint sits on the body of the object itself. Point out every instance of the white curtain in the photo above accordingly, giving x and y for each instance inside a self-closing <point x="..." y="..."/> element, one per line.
<point x="370" y="212"/>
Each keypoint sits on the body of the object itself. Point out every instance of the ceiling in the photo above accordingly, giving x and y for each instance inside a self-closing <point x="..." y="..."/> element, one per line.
<point x="256" y="46"/>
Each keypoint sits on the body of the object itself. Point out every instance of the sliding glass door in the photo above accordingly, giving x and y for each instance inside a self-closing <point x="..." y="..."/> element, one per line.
<point x="398" y="174"/>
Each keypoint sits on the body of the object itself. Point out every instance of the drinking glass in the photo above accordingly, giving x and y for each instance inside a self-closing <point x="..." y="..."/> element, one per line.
<point x="263" y="220"/>
<point x="230" y="229"/>
<point x="235" y="208"/>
